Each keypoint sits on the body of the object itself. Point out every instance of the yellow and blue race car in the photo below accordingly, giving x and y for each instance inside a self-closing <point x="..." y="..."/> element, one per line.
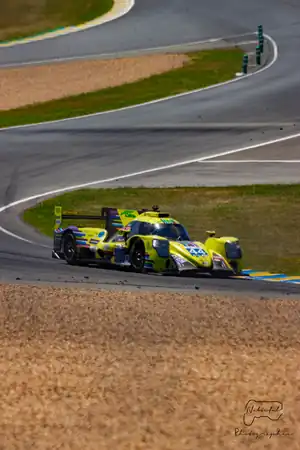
<point x="145" y="241"/>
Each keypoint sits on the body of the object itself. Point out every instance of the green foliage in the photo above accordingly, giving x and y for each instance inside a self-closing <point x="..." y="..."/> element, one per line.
<point x="23" y="18"/>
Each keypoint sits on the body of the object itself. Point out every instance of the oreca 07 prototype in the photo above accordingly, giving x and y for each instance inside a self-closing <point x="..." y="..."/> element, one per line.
<point x="144" y="240"/>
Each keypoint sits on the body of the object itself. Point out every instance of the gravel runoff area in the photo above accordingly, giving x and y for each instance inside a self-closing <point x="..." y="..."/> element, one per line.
<point x="100" y="370"/>
<point x="40" y="83"/>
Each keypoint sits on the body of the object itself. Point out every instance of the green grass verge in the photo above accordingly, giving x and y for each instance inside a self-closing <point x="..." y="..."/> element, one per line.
<point x="265" y="218"/>
<point x="23" y="18"/>
<point x="204" y="68"/>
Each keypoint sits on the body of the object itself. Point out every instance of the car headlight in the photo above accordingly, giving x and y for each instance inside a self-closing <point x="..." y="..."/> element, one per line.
<point x="162" y="247"/>
<point x="233" y="250"/>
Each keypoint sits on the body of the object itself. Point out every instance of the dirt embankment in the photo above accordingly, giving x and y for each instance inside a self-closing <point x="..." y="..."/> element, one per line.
<point x="100" y="370"/>
<point x="35" y="84"/>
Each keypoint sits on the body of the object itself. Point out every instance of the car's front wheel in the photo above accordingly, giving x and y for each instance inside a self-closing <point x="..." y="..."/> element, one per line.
<point x="172" y="268"/>
<point x="137" y="256"/>
<point x="69" y="248"/>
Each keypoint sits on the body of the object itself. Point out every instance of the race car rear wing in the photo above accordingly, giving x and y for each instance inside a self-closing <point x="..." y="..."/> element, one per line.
<point x="113" y="218"/>
<point x="59" y="217"/>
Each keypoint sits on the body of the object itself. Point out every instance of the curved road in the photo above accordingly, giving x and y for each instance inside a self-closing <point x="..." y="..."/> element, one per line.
<point x="47" y="157"/>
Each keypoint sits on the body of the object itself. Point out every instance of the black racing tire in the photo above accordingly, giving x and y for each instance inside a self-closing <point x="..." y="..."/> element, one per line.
<point x="69" y="248"/>
<point x="173" y="268"/>
<point x="137" y="256"/>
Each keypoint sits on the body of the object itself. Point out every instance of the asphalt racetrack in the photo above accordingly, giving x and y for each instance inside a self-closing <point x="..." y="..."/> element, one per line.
<point x="202" y="125"/>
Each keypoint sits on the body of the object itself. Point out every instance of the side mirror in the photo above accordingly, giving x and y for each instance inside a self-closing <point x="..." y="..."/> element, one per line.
<point x="211" y="233"/>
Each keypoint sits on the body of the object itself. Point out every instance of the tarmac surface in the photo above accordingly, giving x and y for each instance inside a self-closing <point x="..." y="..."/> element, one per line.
<point x="204" y="126"/>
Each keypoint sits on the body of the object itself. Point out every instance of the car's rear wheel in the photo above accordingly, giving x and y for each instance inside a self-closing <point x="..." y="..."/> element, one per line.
<point x="69" y="248"/>
<point x="137" y="256"/>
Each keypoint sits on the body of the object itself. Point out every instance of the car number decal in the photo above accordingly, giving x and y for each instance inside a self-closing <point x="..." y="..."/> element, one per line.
<point x="194" y="250"/>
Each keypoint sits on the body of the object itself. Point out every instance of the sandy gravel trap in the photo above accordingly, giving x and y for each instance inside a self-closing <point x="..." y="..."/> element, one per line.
<point x="35" y="84"/>
<point x="86" y="369"/>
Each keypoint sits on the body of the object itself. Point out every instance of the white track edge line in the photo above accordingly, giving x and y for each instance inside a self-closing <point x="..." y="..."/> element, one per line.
<point x="254" y="161"/>
<point x="160" y="100"/>
<point x="131" y="175"/>
<point x="126" y="52"/>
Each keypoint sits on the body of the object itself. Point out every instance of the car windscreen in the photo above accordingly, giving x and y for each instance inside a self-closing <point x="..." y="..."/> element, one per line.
<point x="171" y="231"/>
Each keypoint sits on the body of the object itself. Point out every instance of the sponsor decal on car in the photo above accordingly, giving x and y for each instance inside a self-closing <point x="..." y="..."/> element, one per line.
<point x="94" y="241"/>
<point x="79" y="234"/>
<point x="194" y="249"/>
<point x="168" y="221"/>
<point x="179" y="260"/>
<point x="128" y="213"/>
